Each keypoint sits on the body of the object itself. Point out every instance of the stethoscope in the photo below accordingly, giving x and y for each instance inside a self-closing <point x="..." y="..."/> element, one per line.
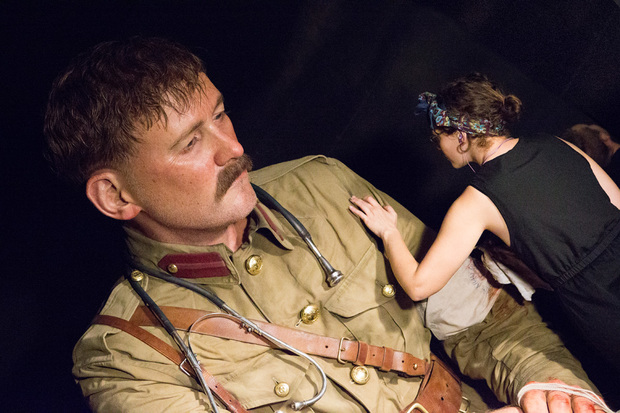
<point x="333" y="277"/>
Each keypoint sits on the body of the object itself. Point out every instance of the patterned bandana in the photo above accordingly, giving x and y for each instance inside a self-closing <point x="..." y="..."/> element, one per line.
<point x="439" y="117"/>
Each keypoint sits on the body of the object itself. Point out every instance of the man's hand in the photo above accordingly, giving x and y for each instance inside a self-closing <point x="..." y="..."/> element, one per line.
<point x="508" y="409"/>
<point x="552" y="401"/>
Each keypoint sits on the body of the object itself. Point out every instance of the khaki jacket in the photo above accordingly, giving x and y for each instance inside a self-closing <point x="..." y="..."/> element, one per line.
<point x="119" y="373"/>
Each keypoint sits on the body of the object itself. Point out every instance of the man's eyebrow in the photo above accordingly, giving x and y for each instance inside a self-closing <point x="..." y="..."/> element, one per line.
<point x="195" y="126"/>
<point x="219" y="101"/>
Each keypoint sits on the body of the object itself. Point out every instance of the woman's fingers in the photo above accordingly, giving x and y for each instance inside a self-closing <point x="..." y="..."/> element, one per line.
<point x="365" y="205"/>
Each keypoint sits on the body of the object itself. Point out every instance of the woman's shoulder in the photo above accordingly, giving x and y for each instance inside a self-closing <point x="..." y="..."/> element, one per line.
<point x="541" y="138"/>
<point x="541" y="143"/>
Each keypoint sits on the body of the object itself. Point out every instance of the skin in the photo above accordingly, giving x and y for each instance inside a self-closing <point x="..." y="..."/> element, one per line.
<point x="469" y="216"/>
<point x="169" y="191"/>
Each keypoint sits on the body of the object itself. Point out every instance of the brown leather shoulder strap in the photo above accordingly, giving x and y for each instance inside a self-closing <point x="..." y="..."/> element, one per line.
<point x="343" y="350"/>
<point x="171" y="354"/>
<point x="141" y="334"/>
<point x="439" y="392"/>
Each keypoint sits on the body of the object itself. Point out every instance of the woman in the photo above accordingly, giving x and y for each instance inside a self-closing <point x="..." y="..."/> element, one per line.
<point x="544" y="198"/>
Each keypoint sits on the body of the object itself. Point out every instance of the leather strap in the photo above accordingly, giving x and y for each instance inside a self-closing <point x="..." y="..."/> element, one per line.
<point x="343" y="350"/>
<point x="171" y="354"/>
<point x="439" y="392"/>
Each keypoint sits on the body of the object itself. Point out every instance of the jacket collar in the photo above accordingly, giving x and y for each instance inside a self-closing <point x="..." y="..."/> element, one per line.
<point x="205" y="264"/>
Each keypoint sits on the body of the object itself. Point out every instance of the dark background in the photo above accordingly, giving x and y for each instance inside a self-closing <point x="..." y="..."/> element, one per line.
<point x="300" y="77"/>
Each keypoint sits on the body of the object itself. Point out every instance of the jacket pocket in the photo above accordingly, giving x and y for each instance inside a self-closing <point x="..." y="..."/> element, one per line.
<point x="361" y="289"/>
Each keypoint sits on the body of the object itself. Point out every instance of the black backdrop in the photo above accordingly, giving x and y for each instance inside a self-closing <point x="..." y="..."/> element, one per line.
<point x="300" y="77"/>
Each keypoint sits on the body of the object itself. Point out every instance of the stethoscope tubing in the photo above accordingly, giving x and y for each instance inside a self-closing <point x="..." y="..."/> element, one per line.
<point x="333" y="277"/>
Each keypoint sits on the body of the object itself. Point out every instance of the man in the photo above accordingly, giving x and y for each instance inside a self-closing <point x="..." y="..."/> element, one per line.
<point x="144" y="128"/>
<point x="598" y="144"/>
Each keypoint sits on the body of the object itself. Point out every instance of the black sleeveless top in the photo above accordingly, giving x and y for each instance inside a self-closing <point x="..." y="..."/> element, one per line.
<point x="558" y="216"/>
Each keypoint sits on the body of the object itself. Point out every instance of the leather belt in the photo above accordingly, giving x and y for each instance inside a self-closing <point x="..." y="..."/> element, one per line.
<point x="343" y="350"/>
<point x="440" y="390"/>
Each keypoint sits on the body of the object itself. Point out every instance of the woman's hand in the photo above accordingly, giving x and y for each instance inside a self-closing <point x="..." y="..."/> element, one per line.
<point x="381" y="220"/>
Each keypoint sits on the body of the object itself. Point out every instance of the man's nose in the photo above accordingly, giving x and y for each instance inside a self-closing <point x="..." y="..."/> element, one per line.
<point x="228" y="148"/>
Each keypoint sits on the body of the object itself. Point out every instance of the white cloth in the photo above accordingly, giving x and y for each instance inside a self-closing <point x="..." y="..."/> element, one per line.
<point x="503" y="275"/>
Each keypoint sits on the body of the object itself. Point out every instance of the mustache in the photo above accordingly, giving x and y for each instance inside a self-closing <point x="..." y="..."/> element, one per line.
<point x="230" y="173"/>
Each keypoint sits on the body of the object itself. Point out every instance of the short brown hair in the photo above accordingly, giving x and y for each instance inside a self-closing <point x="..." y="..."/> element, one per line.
<point x="97" y="103"/>
<point x="588" y="139"/>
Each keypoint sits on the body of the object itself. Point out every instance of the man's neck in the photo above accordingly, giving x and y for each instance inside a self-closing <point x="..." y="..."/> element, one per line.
<point x="232" y="236"/>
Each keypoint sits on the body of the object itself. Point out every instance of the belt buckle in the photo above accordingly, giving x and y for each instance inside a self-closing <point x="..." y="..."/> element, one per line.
<point x="341" y="349"/>
<point x="463" y="408"/>
<point x="418" y="406"/>
<point x="465" y="403"/>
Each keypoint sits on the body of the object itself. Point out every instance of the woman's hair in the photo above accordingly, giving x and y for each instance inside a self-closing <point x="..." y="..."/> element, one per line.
<point x="476" y="97"/>
<point x="105" y="95"/>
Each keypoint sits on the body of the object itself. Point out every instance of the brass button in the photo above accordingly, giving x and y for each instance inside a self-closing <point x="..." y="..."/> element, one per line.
<point x="281" y="390"/>
<point x="309" y="314"/>
<point x="172" y="269"/>
<point x="388" y="291"/>
<point x="137" y="275"/>
<point x="254" y="264"/>
<point x="359" y="374"/>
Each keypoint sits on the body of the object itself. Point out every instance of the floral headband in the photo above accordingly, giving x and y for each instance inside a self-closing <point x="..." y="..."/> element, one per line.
<point x="439" y="117"/>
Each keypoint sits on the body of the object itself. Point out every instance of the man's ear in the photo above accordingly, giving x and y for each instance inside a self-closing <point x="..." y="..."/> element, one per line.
<point x="106" y="191"/>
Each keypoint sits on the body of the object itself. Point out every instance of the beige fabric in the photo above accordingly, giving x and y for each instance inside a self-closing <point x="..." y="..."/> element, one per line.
<point x="512" y="347"/>
<point x="464" y="301"/>
<point x="118" y="373"/>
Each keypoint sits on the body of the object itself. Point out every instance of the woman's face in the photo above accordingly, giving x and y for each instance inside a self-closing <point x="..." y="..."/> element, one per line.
<point x="452" y="145"/>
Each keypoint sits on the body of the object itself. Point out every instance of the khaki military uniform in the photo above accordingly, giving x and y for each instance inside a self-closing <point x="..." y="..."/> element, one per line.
<point x="117" y="372"/>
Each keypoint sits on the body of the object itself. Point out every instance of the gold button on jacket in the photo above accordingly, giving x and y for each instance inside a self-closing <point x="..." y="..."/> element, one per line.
<point x="281" y="389"/>
<point x="309" y="314"/>
<point x="388" y="290"/>
<point x="254" y="264"/>
<point x="360" y="374"/>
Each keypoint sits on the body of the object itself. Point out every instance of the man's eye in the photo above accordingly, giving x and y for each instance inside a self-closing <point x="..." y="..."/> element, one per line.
<point x="221" y="115"/>
<point x="190" y="144"/>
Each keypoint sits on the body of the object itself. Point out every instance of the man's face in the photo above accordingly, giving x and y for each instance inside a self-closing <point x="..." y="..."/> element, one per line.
<point x="189" y="176"/>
